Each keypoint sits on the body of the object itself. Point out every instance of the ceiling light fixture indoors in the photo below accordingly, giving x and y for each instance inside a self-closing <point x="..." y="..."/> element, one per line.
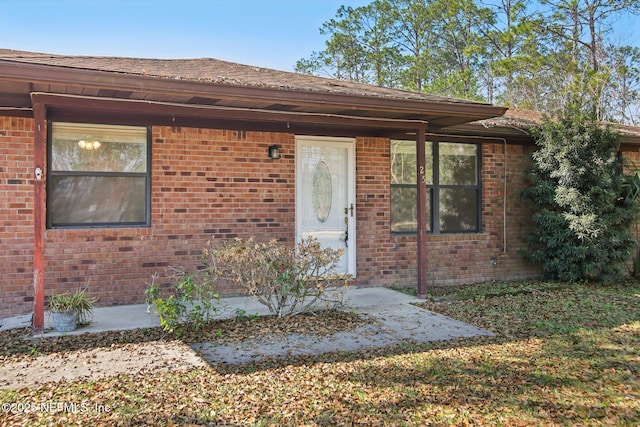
<point x="89" y="145"/>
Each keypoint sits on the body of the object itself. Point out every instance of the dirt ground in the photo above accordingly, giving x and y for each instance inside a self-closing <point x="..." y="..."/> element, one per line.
<point x="156" y="356"/>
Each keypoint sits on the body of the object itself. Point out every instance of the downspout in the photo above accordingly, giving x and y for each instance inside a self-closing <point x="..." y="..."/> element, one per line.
<point x="504" y="201"/>
<point x="39" y="214"/>
<point x="504" y="195"/>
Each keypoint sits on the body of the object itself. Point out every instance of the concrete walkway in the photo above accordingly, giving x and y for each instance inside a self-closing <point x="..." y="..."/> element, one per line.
<point x="395" y="320"/>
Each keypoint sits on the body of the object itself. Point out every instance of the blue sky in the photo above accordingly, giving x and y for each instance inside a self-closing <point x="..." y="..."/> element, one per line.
<point x="268" y="33"/>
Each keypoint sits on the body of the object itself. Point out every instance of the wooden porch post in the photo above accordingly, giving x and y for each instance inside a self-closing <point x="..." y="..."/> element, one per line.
<point x="39" y="214"/>
<point x="422" y="214"/>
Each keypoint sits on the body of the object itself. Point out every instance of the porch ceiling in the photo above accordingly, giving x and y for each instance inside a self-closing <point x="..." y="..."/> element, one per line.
<point x="212" y="93"/>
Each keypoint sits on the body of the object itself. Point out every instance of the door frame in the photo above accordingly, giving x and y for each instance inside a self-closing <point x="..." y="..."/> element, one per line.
<point x="350" y="145"/>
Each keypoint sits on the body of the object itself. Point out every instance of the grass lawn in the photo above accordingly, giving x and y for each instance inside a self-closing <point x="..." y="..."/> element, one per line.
<point x="562" y="355"/>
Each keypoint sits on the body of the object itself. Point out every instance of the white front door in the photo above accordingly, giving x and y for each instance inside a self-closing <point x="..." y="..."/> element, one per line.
<point x="325" y="195"/>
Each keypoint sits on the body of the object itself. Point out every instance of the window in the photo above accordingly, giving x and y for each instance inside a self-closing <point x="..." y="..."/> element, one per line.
<point x="453" y="187"/>
<point x="99" y="175"/>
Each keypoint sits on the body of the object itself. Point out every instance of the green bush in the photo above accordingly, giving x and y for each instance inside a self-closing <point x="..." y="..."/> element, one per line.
<point x="583" y="204"/>
<point x="287" y="280"/>
<point x="192" y="303"/>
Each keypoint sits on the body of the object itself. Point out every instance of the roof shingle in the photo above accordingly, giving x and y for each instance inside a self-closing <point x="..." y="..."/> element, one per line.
<point x="222" y="73"/>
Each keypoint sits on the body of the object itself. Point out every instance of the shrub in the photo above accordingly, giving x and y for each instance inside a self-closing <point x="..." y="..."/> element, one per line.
<point x="192" y="304"/>
<point x="583" y="204"/>
<point x="287" y="280"/>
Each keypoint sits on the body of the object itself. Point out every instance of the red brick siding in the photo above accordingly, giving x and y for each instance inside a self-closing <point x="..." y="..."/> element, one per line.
<point x="16" y="215"/>
<point x="632" y="155"/>
<point x="387" y="259"/>
<point x="221" y="183"/>
<point x="206" y="184"/>
<point x="375" y="255"/>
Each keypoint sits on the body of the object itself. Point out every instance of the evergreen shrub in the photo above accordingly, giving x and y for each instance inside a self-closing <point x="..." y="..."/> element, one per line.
<point x="583" y="203"/>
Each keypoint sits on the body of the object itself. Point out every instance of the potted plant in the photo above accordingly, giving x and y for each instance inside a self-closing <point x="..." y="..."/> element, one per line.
<point x="70" y="309"/>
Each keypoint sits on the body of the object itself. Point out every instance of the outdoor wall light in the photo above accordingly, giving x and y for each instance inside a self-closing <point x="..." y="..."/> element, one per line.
<point x="274" y="152"/>
<point x="89" y="145"/>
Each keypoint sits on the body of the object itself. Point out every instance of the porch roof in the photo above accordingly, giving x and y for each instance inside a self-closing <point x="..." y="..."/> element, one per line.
<point x="253" y="98"/>
<point x="515" y="126"/>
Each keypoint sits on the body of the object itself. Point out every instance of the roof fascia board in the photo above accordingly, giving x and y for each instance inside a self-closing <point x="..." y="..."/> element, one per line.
<point x="16" y="111"/>
<point x="519" y="134"/>
<point x="48" y="74"/>
<point x="447" y="137"/>
<point x="511" y="134"/>
<point x="216" y="112"/>
<point x="126" y="118"/>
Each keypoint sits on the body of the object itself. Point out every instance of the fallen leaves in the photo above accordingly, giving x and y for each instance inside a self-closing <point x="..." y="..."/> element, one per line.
<point x="18" y="343"/>
<point x="561" y="357"/>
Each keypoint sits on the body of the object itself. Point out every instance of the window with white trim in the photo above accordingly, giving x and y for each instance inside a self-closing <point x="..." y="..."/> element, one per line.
<point x="452" y="172"/>
<point x="98" y="175"/>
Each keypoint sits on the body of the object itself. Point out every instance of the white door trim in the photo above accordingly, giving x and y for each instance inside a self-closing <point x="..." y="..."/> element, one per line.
<point x="349" y="145"/>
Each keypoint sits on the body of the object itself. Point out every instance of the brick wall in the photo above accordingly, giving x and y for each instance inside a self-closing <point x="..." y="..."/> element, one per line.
<point x="16" y="215"/>
<point x="221" y="183"/>
<point x="632" y="156"/>
<point x="205" y="184"/>
<point x="388" y="259"/>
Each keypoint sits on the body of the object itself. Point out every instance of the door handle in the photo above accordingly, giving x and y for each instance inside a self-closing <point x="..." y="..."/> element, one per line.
<point x="346" y="230"/>
<point x="349" y="210"/>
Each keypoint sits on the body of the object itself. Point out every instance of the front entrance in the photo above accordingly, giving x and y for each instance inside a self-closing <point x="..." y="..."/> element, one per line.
<point x="325" y="195"/>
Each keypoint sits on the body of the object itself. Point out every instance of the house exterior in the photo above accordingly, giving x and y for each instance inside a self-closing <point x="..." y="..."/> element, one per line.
<point x="112" y="169"/>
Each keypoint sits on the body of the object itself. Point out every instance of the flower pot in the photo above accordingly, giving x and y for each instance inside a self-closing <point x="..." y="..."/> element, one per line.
<point x="65" y="321"/>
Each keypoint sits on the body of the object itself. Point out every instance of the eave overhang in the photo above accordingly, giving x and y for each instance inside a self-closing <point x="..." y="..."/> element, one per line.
<point x="515" y="129"/>
<point x="127" y="111"/>
<point x="509" y="134"/>
<point x="244" y="107"/>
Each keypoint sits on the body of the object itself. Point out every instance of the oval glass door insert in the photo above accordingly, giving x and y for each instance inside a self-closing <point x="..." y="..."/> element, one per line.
<point x="322" y="192"/>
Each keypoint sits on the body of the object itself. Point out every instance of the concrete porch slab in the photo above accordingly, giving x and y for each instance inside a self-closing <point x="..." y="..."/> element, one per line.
<point x="395" y="319"/>
<point x="125" y="317"/>
<point x="393" y="324"/>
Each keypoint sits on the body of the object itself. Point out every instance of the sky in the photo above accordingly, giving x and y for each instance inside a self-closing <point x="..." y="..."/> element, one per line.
<point x="266" y="33"/>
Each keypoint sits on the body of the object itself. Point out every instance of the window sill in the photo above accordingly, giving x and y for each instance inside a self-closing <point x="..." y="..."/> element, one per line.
<point x="453" y="237"/>
<point x="107" y="233"/>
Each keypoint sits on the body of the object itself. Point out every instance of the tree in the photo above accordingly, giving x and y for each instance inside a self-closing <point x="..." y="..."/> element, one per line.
<point x="422" y="45"/>
<point x="345" y="56"/>
<point x="441" y="44"/>
<point x="411" y="24"/>
<point x="621" y="98"/>
<point x="583" y="204"/>
<point x="358" y="48"/>
<point x="513" y="43"/>
<point x="531" y="54"/>
<point x="578" y="30"/>
<point x="461" y="52"/>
